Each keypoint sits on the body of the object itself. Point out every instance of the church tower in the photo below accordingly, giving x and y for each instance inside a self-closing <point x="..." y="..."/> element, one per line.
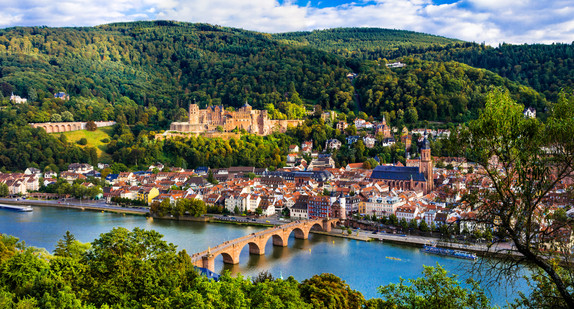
<point x="425" y="165"/>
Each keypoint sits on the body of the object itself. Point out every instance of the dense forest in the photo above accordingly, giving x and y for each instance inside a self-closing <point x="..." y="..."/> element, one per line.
<point x="546" y="68"/>
<point x="143" y="75"/>
<point x="361" y="43"/>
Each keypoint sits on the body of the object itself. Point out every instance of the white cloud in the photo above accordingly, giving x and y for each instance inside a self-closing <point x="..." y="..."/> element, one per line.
<point x="490" y="21"/>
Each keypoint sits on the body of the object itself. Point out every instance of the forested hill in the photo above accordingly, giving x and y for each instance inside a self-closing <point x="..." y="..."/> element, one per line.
<point x="144" y="74"/>
<point x="362" y="42"/>
<point x="169" y="64"/>
<point x="548" y="68"/>
<point x="166" y="64"/>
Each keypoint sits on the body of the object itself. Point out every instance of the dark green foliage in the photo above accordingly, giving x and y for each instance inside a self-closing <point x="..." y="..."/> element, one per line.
<point x="435" y="91"/>
<point x="144" y="74"/>
<point x="70" y="247"/>
<point x="166" y="64"/>
<point x="361" y="43"/>
<point x="182" y="207"/>
<point x="546" y="68"/>
<point x="22" y="146"/>
<point x="4" y="191"/>
<point x="135" y="269"/>
<point x="329" y="291"/>
<point x="83" y="141"/>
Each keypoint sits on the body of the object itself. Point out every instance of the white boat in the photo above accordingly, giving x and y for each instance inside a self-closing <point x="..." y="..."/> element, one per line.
<point x="17" y="208"/>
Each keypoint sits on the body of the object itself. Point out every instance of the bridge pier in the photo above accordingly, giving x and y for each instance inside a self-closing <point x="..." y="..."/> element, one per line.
<point x="208" y="262"/>
<point x="326" y="226"/>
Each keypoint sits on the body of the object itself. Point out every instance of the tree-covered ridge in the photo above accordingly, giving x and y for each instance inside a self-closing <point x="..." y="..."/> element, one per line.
<point x="167" y="64"/>
<point x="546" y="68"/>
<point x="359" y="42"/>
<point x="435" y="91"/>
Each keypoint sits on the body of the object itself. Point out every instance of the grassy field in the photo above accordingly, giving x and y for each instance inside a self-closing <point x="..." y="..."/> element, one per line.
<point x="94" y="139"/>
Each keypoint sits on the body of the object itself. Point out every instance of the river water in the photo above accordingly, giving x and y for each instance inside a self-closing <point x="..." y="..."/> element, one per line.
<point x="363" y="265"/>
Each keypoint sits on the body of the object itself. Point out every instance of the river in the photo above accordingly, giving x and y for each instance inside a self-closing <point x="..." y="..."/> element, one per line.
<point x="363" y="265"/>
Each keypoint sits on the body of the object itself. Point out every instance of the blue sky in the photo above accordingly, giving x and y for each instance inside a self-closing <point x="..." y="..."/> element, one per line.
<point x="489" y="21"/>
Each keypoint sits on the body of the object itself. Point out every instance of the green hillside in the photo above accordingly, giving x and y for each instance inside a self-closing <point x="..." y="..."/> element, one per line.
<point x="359" y="42"/>
<point x="166" y="64"/>
<point x="427" y="90"/>
<point x="144" y="74"/>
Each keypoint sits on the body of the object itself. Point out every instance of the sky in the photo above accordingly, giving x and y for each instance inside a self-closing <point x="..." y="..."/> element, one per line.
<point x="488" y="21"/>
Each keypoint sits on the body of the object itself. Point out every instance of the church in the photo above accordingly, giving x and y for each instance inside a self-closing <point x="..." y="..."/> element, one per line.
<point x="407" y="177"/>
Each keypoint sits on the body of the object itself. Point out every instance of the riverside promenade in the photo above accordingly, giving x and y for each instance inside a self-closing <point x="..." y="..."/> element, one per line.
<point x="419" y="241"/>
<point x="75" y="204"/>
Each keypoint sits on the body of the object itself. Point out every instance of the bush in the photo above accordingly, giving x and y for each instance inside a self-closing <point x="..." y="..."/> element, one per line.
<point x="83" y="141"/>
<point x="105" y="140"/>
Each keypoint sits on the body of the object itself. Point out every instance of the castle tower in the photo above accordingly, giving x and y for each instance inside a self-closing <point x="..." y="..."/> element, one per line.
<point x="193" y="114"/>
<point x="425" y="165"/>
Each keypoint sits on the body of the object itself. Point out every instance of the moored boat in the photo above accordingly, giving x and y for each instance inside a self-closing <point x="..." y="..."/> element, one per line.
<point x="449" y="252"/>
<point x="16" y="208"/>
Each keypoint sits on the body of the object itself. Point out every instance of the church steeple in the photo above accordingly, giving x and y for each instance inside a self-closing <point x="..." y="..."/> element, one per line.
<point x="425" y="165"/>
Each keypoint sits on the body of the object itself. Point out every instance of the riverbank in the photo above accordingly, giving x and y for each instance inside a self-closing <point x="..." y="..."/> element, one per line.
<point x="75" y="205"/>
<point x="416" y="241"/>
<point x="340" y="234"/>
<point x="501" y="249"/>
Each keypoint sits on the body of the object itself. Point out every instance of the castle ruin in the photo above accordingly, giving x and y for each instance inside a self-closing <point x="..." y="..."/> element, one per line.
<point x="246" y="118"/>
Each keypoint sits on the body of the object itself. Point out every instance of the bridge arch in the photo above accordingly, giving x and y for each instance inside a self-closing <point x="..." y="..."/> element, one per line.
<point x="280" y="240"/>
<point x="56" y="129"/>
<point x="300" y="233"/>
<point x="316" y="226"/>
<point x="255" y="248"/>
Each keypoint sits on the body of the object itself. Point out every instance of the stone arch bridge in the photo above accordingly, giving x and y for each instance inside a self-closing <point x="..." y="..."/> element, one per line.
<point x="231" y="249"/>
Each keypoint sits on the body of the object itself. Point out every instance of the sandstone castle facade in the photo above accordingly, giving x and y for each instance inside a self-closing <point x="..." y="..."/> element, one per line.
<point x="251" y="120"/>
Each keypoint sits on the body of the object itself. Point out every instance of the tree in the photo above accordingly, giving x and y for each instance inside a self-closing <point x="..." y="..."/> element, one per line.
<point x="524" y="160"/>
<point x="262" y="277"/>
<point x="4" y="190"/>
<point x="67" y="116"/>
<point x="70" y="247"/>
<point x="423" y="226"/>
<point x="393" y="220"/>
<point x="56" y="118"/>
<point x="435" y="290"/>
<point x="210" y="178"/>
<point x="403" y="223"/>
<point x="413" y="224"/>
<point x="329" y="291"/>
<point x="91" y="126"/>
